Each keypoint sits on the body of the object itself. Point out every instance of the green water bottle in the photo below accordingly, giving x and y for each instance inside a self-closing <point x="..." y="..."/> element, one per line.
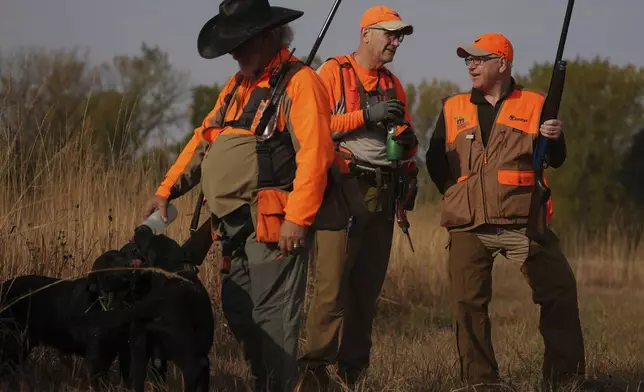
<point x="395" y="151"/>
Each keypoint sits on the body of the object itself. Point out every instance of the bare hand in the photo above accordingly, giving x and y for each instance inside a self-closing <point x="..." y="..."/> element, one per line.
<point x="551" y="129"/>
<point x="156" y="203"/>
<point x="292" y="236"/>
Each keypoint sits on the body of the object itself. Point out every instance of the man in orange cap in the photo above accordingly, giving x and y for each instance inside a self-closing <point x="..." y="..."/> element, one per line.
<point x="367" y="101"/>
<point x="480" y="159"/>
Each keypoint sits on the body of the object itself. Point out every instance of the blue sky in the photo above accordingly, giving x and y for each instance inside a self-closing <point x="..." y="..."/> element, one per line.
<point x="606" y="28"/>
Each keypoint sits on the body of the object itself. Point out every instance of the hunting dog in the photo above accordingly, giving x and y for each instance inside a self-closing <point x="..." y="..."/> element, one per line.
<point x="38" y="310"/>
<point x="174" y="317"/>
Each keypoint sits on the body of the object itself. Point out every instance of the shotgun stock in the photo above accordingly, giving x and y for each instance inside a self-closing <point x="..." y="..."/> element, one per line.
<point x="199" y="242"/>
<point x="541" y="193"/>
<point x="195" y="216"/>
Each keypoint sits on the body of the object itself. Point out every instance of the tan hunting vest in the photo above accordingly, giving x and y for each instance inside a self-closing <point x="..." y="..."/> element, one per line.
<point x="494" y="183"/>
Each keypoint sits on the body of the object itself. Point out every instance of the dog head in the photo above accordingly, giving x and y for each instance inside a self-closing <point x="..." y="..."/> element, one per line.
<point x="117" y="288"/>
<point x="159" y="250"/>
<point x="112" y="280"/>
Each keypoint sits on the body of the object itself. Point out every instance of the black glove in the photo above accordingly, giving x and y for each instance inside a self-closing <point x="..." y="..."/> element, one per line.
<point x="391" y="110"/>
<point x="407" y="138"/>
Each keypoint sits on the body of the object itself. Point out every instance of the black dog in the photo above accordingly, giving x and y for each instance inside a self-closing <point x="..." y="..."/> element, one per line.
<point x="44" y="316"/>
<point x="175" y="315"/>
<point x="119" y="285"/>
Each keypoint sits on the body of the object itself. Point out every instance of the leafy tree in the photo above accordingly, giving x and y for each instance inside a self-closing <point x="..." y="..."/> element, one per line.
<point x="204" y="99"/>
<point x="143" y="93"/>
<point x="43" y="100"/>
<point x="631" y="172"/>
<point x="602" y="107"/>
<point x="424" y="103"/>
<point x="52" y="96"/>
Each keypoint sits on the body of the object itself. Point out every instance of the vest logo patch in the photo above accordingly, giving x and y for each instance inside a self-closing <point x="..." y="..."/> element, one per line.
<point x="515" y="118"/>
<point x="461" y="123"/>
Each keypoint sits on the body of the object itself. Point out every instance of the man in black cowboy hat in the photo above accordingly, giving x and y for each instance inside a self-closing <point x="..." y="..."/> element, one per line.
<point x="265" y="186"/>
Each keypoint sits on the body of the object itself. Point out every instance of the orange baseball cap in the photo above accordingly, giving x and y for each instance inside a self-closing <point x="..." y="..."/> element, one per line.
<point x="486" y="44"/>
<point x="386" y="18"/>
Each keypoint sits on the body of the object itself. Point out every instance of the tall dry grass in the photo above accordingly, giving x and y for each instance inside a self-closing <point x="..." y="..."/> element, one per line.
<point x="72" y="207"/>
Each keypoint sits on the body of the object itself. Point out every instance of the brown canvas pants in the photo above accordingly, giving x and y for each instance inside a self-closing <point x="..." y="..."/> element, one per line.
<point x="347" y="286"/>
<point x="553" y="288"/>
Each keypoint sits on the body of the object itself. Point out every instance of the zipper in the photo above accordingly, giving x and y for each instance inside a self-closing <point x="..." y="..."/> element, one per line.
<point x="485" y="151"/>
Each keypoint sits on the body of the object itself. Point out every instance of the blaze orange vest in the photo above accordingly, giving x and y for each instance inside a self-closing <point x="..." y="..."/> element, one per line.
<point x="494" y="182"/>
<point x="277" y="163"/>
<point x="354" y="94"/>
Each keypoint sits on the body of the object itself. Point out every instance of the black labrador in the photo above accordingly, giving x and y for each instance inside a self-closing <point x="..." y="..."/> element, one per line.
<point x="39" y="310"/>
<point x="118" y="284"/>
<point x="174" y="316"/>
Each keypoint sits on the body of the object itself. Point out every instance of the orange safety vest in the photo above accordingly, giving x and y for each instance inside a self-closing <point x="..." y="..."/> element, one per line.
<point x="354" y="94"/>
<point x="494" y="182"/>
<point x="277" y="164"/>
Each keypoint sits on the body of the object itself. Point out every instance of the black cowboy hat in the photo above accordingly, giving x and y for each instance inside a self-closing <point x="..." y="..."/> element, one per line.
<point x="237" y="22"/>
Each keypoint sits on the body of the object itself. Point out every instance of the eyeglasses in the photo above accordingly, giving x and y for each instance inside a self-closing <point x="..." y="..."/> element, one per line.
<point x="391" y="34"/>
<point x="478" y="60"/>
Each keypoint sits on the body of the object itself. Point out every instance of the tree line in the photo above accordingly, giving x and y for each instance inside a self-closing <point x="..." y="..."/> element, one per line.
<point x="52" y="95"/>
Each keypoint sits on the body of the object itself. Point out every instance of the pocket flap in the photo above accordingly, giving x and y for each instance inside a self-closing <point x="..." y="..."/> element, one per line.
<point x="456" y="209"/>
<point x="271" y="201"/>
<point x="516" y="177"/>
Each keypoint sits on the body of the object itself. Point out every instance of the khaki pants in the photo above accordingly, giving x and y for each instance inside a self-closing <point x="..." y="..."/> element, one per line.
<point x="262" y="300"/>
<point x="347" y="286"/>
<point x="554" y="289"/>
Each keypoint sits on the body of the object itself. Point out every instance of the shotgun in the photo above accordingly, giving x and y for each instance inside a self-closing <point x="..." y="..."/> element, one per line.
<point x="275" y="82"/>
<point x="537" y="224"/>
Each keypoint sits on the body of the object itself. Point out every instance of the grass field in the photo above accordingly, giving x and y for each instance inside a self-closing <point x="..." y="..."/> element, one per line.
<point x="61" y="216"/>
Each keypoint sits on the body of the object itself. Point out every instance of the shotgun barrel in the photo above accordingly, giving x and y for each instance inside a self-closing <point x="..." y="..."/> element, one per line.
<point x="536" y="228"/>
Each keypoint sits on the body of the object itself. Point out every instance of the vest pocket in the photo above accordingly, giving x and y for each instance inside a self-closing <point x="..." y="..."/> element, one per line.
<point x="515" y="190"/>
<point x="276" y="161"/>
<point x="456" y="208"/>
<point x="270" y="214"/>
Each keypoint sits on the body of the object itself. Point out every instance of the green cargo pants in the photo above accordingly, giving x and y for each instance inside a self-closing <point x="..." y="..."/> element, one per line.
<point x="554" y="289"/>
<point x="346" y="289"/>
<point x="262" y="300"/>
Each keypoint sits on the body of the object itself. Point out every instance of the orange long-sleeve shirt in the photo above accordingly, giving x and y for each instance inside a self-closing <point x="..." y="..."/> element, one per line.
<point x="330" y="74"/>
<point x="347" y="119"/>
<point x="304" y="110"/>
